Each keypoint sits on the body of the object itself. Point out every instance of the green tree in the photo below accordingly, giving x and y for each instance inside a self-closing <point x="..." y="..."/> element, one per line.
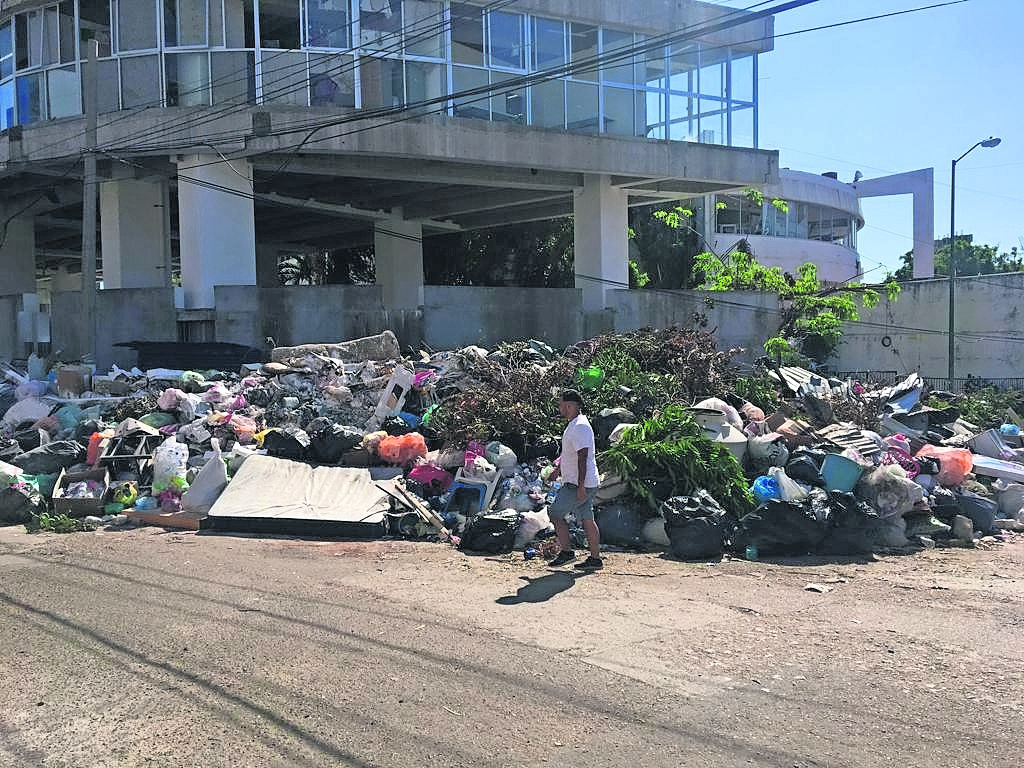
<point x="534" y="254"/>
<point x="971" y="260"/>
<point x="812" y="314"/>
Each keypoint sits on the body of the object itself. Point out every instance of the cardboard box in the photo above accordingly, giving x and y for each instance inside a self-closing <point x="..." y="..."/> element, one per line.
<point x="80" y="507"/>
<point x="73" y="380"/>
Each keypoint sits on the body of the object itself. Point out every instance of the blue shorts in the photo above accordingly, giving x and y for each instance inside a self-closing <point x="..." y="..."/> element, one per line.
<point x="566" y="503"/>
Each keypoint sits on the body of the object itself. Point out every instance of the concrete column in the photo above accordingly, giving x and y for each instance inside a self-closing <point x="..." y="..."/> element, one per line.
<point x="398" y="253"/>
<point x="133" y="236"/>
<point x="601" y="241"/>
<point x="266" y="266"/>
<point x="18" y="257"/>
<point x="217" y="226"/>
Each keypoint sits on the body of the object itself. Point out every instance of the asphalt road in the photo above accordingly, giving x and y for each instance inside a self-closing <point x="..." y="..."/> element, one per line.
<point x="152" y="648"/>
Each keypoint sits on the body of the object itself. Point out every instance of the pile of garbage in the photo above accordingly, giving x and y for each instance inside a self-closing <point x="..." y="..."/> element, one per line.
<point x="695" y="458"/>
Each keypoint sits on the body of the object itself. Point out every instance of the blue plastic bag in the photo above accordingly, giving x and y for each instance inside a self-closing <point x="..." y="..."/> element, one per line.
<point x="765" y="488"/>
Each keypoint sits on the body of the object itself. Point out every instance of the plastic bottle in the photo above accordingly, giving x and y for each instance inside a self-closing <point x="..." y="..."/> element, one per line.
<point x="751" y="552"/>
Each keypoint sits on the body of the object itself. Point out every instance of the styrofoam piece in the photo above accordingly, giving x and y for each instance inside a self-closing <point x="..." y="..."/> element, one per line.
<point x="1008" y="470"/>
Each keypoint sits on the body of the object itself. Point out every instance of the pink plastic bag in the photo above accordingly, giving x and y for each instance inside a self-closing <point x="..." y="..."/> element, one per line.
<point x="431" y="476"/>
<point x="954" y="463"/>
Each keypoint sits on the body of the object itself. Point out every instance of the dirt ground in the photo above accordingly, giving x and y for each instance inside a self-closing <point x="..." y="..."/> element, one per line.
<point x="147" y="647"/>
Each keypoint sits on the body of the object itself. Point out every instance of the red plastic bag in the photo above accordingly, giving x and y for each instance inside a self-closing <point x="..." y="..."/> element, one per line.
<point x="954" y="463"/>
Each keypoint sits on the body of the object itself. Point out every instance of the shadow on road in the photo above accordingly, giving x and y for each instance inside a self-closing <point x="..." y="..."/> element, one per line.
<point x="542" y="588"/>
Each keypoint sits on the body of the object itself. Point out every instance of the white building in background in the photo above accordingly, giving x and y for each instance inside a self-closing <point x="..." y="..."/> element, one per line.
<point x="234" y="132"/>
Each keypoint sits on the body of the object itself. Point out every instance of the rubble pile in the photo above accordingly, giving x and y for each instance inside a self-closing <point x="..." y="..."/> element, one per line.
<point x="696" y="459"/>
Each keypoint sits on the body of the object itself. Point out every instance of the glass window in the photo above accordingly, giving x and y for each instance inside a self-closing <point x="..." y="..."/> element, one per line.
<point x="619" y="68"/>
<point x="583" y="50"/>
<point x="188" y="79"/>
<point x="284" y="78"/>
<point x="507" y="106"/>
<point x="216" y="23"/>
<point x="107" y="86"/>
<point x="380" y="25"/>
<point x="423" y="24"/>
<point x="64" y="91"/>
<point x="548" y="43"/>
<point x="654" y="70"/>
<point x="185" y="22"/>
<point x="94" y="20"/>
<point x="239" y="27"/>
<point x="136" y="26"/>
<point x="327" y="23"/>
<point x="507" y="40"/>
<point x="742" y="84"/>
<point x="331" y="80"/>
<point x="467" y="34"/>
<point x="464" y="79"/>
<point x="424" y="82"/>
<point x="654" y="108"/>
<point x="31" y="104"/>
<point x="279" y="25"/>
<point x="383" y="82"/>
<point x="547" y="104"/>
<point x="619" y="112"/>
<point x="233" y="77"/>
<point x="6" y="53"/>
<point x="742" y="128"/>
<point x="28" y="29"/>
<point x="50" y="39"/>
<point x="581" y="114"/>
<point x="140" y="82"/>
<point x="7" y="115"/>
<point x="682" y="117"/>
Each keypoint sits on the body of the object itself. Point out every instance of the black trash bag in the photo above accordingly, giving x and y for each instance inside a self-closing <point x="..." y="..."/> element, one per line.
<point x="17" y="506"/>
<point x="28" y="437"/>
<point x="607" y="420"/>
<point x="929" y="465"/>
<point x="9" y="448"/>
<point x="395" y="426"/>
<point x="542" y="447"/>
<point x="781" y="528"/>
<point x="804" y="465"/>
<point x="851" y="525"/>
<point x="50" y="459"/>
<point x="327" y="445"/>
<point x="261" y="396"/>
<point x="982" y="511"/>
<point x="492" y="533"/>
<point x="287" y="443"/>
<point x="697" y="526"/>
<point x="620" y="524"/>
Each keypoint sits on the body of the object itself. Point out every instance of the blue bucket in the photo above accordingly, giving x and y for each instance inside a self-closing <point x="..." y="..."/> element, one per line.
<point x="840" y="473"/>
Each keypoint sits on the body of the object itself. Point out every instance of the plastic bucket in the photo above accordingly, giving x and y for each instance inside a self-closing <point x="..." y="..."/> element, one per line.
<point x="840" y="473"/>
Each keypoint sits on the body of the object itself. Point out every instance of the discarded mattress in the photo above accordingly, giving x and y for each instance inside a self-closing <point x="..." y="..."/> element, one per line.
<point x="270" y="495"/>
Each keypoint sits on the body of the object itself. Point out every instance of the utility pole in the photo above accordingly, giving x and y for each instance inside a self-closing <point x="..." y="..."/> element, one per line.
<point x="89" y="201"/>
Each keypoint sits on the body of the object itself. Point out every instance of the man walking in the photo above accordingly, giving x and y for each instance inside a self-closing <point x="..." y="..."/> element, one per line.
<point x="578" y="470"/>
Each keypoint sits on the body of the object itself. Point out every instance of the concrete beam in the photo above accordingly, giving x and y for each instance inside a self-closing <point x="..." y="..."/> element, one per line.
<point x="432" y="171"/>
<point x="921" y="185"/>
<point x="475" y="201"/>
<point x="520" y="214"/>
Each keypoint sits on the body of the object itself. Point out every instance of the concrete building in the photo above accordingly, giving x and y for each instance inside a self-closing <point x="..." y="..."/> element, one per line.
<point x="231" y="133"/>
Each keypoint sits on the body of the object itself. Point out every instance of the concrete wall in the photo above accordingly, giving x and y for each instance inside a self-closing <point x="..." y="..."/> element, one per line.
<point x="912" y="333"/>
<point x="303" y="314"/>
<point x="139" y="314"/>
<point x="905" y="336"/>
<point x="454" y="316"/>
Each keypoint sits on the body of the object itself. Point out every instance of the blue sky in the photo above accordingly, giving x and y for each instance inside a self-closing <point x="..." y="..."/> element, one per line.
<point x="898" y="94"/>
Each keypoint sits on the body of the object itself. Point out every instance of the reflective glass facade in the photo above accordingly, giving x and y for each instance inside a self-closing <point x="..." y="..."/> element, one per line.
<point x="737" y="214"/>
<point x="432" y="56"/>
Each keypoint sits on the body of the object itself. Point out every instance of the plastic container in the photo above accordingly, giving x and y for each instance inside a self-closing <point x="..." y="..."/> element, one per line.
<point x="840" y="473"/>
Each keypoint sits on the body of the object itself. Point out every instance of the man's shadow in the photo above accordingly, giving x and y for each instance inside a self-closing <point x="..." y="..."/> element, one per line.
<point x="543" y="588"/>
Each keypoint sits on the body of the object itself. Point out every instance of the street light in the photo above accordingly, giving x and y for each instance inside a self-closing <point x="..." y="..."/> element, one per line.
<point x="989" y="142"/>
